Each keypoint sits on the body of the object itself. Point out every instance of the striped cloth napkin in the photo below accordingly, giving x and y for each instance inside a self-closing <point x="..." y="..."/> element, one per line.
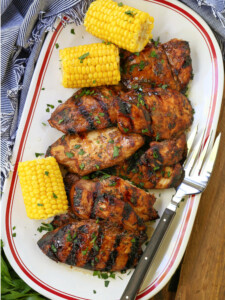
<point x="24" y="27"/>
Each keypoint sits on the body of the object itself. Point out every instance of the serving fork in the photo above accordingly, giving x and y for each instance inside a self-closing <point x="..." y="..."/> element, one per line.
<point x="198" y="170"/>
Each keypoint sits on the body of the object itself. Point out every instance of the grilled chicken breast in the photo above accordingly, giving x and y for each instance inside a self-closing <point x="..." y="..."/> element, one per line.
<point x="88" y="202"/>
<point x="95" y="150"/>
<point x="98" y="108"/>
<point x="141" y="201"/>
<point x="89" y="245"/>
<point x="171" y="112"/>
<point x="158" y="64"/>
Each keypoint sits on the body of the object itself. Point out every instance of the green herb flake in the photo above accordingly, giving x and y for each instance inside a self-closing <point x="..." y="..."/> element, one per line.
<point x="43" y="89"/>
<point x="46" y="227"/>
<point x="53" y="248"/>
<point x="54" y="195"/>
<point x="57" y="45"/>
<point x="155" y="154"/>
<point x="125" y="130"/>
<point x="112" y="183"/>
<point x="97" y="120"/>
<point x="69" y="154"/>
<point x="51" y="106"/>
<point x="81" y="152"/>
<point x="157" y="137"/>
<point x="168" y="174"/>
<point x="47" y="109"/>
<point x="14" y="227"/>
<point x="39" y="154"/>
<point x="72" y="31"/>
<point x="120" y="4"/>
<point x="60" y="121"/>
<point x="96" y="248"/>
<point x="97" y="167"/>
<point x="14" y="234"/>
<point x="144" y="130"/>
<point x="94" y="81"/>
<point x="156" y="168"/>
<point x="142" y="65"/>
<point x="116" y="150"/>
<point x="107" y="283"/>
<point x="132" y="67"/>
<point x="141" y="184"/>
<point x="164" y="86"/>
<point x="137" y="53"/>
<point x="101" y="114"/>
<point x="97" y="273"/>
<point x="82" y="166"/>
<point x="130" y="13"/>
<point x="77" y="146"/>
<point x="59" y="101"/>
<point x="69" y="237"/>
<point x="85" y="177"/>
<point x="133" y="240"/>
<point x="84" y="252"/>
<point x="44" y="124"/>
<point x="40" y="204"/>
<point x="112" y="275"/>
<point x="97" y="221"/>
<point x="94" y="291"/>
<point x="111" y="141"/>
<point x="162" y="61"/>
<point x="82" y="57"/>
<point x="153" y="54"/>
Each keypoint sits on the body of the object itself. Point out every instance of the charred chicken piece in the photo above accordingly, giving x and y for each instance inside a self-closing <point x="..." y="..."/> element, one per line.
<point x="178" y="54"/>
<point x="171" y="112"/>
<point x="152" y="178"/>
<point x="95" y="150"/>
<point x="87" y="202"/>
<point x="98" y="108"/>
<point x="158" y="64"/>
<point x="89" y="245"/>
<point x="141" y="201"/>
<point x="159" y="166"/>
<point x="165" y="153"/>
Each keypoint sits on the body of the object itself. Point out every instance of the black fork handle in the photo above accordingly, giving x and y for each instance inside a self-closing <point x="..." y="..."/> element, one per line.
<point x="148" y="256"/>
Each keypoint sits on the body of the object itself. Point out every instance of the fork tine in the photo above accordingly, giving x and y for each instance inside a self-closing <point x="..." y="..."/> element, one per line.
<point x="208" y="165"/>
<point x="192" y="156"/>
<point x="197" y="167"/>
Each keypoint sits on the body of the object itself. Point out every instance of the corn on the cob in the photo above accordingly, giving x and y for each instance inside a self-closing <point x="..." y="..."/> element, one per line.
<point x="90" y="65"/>
<point x="42" y="188"/>
<point x="127" y="27"/>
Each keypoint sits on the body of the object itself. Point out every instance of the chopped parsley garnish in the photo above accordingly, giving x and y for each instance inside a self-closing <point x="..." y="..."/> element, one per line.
<point x="59" y="101"/>
<point x="107" y="283"/>
<point x="14" y="227"/>
<point x="155" y="154"/>
<point x="44" y="124"/>
<point x="45" y="226"/>
<point x="47" y="109"/>
<point x="82" y="166"/>
<point x="53" y="248"/>
<point x="72" y="31"/>
<point x="94" y="81"/>
<point x="156" y="168"/>
<point x="168" y="174"/>
<point x="85" y="177"/>
<point x="46" y="173"/>
<point x="39" y="154"/>
<point x="164" y="86"/>
<point x="153" y="108"/>
<point x="133" y="240"/>
<point x="101" y="114"/>
<point x="94" y="291"/>
<point x="140" y="100"/>
<point x="14" y="234"/>
<point x="54" y="195"/>
<point x="97" y="167"/>
<point x="125" y="129"/>
<point x="97" y="120"/>
<point x="112" y="183"/>
<point x="69" y="237"/>
<point x="107" y="43"/>
<point x="141" y="184"/>
<point x="120" y="4"/>
<point x="116" y="151"/>
<point x="40" y="204"/>
<point x="43" y="89"/>
<point x="69" y="154"/>
<point x="57" y="45"/>
<point x="142" y="65"/>
<point x="50" y="105"/>
<point x="155" y="42"/>
<point x="137" y="53"/>
<point x="111" y="141"/>
<point x="162" y="61"/>
<point x="157" y="137"/>
<point x="81" y="152"/>
<point x="130" y="13"/>
<point x="144" y="130"/>
<point x="96" y="247"/>
<point x="84" y="252"/>
<point x="77" y="146"/>
<point x="60" y="121"/>
<point x="82" y="57"/>
<point x="153" y="54"/>
<point x="132" y="67"/>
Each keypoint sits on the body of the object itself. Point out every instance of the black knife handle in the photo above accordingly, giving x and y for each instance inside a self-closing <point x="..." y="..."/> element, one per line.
<point x="148" y="256"/>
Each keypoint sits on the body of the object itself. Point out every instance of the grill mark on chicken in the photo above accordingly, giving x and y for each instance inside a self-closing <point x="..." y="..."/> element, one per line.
<point x="86" y="115"/>
<point x="106" y="113"/>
